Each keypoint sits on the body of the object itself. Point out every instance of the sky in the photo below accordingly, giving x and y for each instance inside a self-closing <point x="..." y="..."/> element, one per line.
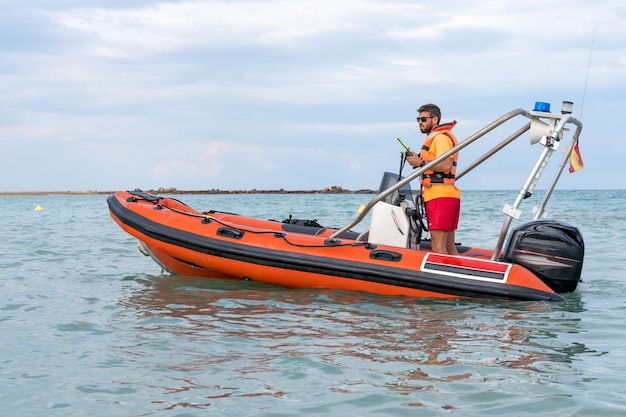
<point x="104" y="95"/>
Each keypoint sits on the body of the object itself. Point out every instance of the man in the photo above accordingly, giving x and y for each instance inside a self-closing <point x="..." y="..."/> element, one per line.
<point x="441" y="195"/>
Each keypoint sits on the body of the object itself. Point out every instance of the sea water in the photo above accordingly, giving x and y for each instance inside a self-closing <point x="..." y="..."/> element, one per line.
<point x="90" y="327"/>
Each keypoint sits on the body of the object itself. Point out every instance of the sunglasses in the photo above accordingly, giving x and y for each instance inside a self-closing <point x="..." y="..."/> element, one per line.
<point x="424" y="118"/>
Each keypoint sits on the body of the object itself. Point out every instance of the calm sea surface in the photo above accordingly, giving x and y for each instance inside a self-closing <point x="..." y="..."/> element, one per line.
<point x="90" y="327"/>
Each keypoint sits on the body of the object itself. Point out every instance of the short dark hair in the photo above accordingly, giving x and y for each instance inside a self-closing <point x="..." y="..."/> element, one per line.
<point x="432" y="109"/>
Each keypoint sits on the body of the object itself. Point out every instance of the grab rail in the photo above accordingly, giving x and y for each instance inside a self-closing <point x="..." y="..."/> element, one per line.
<point x="418" y="172"/>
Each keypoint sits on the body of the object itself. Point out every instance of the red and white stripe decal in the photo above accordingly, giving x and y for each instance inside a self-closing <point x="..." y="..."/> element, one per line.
<point x="468" y="268"/>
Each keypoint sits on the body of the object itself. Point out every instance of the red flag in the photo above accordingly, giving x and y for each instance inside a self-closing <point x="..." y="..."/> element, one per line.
<point x="575" y="160"/>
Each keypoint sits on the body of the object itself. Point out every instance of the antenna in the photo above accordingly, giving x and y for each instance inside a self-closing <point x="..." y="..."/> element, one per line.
<point x="582" y="105"/>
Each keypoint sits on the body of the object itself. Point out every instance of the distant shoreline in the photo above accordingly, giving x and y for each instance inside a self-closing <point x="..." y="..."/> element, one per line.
<point x="328" y="190"/>
<point x="225" y="192"/>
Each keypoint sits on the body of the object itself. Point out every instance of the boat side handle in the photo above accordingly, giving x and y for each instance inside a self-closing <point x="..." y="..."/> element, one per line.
<point x="230" y="232"/>
<point x="385" y="255"/>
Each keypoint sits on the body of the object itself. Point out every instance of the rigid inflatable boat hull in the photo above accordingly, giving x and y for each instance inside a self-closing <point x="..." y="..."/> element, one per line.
<point x="222" y="245"/>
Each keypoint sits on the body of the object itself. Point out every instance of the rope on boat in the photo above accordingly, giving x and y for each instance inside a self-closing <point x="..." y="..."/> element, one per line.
<point x="207" y="218"/>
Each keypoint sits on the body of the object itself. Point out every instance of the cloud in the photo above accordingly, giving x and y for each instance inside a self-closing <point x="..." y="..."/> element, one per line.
<point x="185" y="170"/>
<point x="270" y="93"/>
<point x="163" y="26"/>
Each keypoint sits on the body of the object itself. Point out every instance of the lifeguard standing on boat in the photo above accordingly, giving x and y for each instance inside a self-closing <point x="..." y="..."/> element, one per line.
<point x="441" y="195"/>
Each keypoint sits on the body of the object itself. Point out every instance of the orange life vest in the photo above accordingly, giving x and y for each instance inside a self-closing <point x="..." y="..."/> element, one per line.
<point x="431" y="177"/>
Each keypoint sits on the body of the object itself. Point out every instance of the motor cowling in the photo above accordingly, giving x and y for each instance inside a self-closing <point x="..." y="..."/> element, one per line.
<point x="550" y="249"/>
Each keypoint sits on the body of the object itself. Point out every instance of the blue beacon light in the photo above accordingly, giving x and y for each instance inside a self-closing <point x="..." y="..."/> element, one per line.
<point x="542" y="106"/>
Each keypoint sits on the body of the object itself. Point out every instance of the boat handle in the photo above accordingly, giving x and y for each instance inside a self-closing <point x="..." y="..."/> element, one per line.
<point x="231" y="233"/>
<point x="385" y="255"/>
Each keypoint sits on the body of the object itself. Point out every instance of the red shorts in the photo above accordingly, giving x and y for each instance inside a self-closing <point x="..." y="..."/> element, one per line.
<point x="443" y="213"/>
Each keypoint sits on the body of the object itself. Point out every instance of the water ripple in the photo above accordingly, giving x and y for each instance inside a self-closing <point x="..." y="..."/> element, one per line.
<point x="88" y="326"/>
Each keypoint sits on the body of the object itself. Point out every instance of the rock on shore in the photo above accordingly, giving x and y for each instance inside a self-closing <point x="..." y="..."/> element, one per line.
<point x="173" y="190"/>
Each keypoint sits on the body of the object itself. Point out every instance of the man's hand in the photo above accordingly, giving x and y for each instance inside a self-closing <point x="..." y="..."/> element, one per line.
<point x="415" y="161"/>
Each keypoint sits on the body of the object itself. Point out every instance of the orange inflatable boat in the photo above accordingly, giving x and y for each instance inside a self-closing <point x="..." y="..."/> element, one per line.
<point x="539" y="260"/>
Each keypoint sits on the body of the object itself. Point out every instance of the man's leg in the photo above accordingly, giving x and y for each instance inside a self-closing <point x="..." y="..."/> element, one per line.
<point x="438" y="239"/>
<point x="450" y="244"/>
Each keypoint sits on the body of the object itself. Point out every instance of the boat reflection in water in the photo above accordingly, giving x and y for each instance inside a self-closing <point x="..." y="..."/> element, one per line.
<point x="236" y="339"/>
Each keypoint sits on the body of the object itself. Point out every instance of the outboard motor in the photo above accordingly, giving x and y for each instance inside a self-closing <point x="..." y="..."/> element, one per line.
<point x="552" y="250"/>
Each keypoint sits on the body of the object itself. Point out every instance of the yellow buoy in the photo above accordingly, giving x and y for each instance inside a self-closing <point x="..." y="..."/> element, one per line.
<point x="38" y="208"/>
